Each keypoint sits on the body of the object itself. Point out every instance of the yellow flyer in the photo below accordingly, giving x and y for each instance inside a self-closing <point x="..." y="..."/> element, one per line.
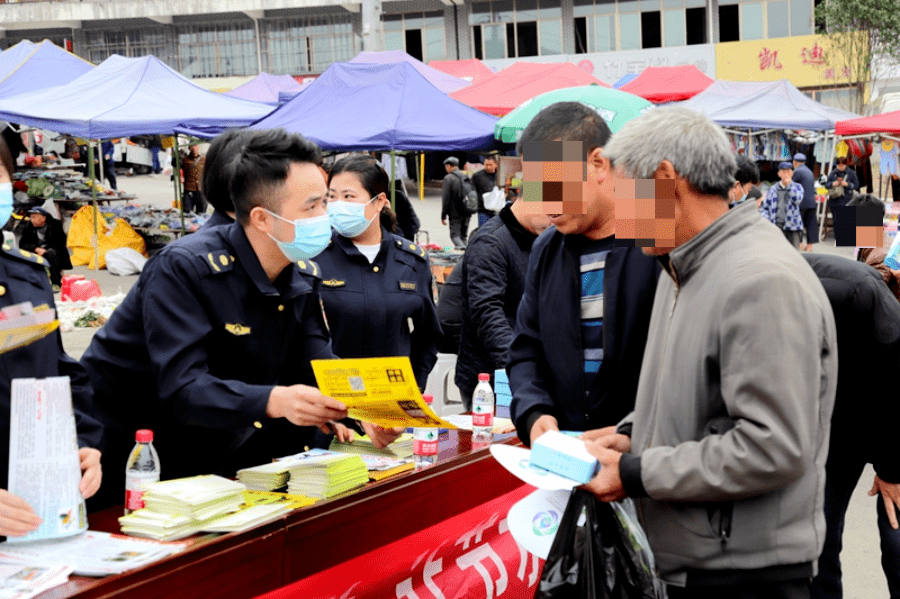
<point x="382" y="391"/>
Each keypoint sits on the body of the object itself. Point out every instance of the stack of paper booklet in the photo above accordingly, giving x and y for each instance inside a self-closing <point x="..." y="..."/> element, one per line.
<point x="178" y="508"/>
<point x="267" y="477"/>
<point x="401" y="448"/>
<point x="327" y="476"/>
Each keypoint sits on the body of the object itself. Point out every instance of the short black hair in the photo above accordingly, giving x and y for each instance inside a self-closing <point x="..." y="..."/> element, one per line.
<point x="867" y="199"/>
<point x="747" y="171"/>
<point x="492" y="157"/>
<point x="216" y="183"/>
<point x="567" y="121"/>
<point x="261" y="161"/>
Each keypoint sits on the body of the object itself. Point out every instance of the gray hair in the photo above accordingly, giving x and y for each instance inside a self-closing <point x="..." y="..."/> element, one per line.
<point x="696" y="147"/>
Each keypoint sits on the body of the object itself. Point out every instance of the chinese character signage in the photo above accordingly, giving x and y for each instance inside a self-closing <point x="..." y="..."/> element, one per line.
<point x="805" y="61"/>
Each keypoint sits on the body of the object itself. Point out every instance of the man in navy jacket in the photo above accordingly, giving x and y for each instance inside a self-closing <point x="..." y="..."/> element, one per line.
<point x="582" y="323"/>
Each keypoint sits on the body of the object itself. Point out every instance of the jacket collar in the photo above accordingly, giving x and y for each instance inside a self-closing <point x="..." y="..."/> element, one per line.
<point x="523" y="237"/>
<point x="687" y="258"/>
<point x="288" y="284"/>
<point x="347" y="246"/>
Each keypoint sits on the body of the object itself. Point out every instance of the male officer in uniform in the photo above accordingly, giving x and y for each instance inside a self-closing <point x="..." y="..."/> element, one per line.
<point x="24" y="278"/>
<point x="212" y="346"/>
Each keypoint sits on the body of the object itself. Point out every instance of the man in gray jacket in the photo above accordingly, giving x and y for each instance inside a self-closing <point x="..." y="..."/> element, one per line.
<point x="729" y="436"/>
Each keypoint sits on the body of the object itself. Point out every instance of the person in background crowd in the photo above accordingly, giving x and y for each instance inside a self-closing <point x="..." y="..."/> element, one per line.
<point x="449" y="309"/>
<point x="23" y="278"/>
<point x="13" y="141"/>
<point x="493" y="279"/>
<point x="452" y="206"/>
<point x="43" y="235"/>
<point x="71" y="150"/>
<point x="582" y="323"/>
<point x="867" y="316"/>
<point x="844" y="177"/>
<point x="216" y="182"/>
<point x="807" y="181"/>
<point x="781" y="206"/>
<point x="374" y="282"/>
<point x="107" y="150"/>
<point x="407" y="222"/>
<point x="484" y="181"/>
<point x="192" y="166"/>
<point x="728" y="439"/>
<point x="745" y="180"/>
<point x="211" y="348"/>
<point x="154" y="144"/>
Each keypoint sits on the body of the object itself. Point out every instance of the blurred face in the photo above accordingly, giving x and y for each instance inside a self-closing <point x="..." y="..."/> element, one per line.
<point x="302" y="195"/>
<point x="37" y="220"/>
<point x="842" y="166"/>
<point x="448" y="168"/>
<point x="194" y="149"/>
<point x="738" y="191"/>
<point x="646" y="212"/>
<point x="490" y="166"/>
<point x="347" y="187"/>
<point x="576" y="194"/>
<point x="786" y="175"/>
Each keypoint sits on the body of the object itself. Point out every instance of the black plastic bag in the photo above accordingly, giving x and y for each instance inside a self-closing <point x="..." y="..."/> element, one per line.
<point x="605" y="557"/>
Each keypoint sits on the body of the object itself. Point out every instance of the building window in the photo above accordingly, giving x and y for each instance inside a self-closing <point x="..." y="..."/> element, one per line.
<point x="695" y="20"/>
<point x="304" y="45"/>
<point x="801" y="17"/>
<point x="516" y="28"/>
<point x="155" y="41"/>
<point x="674" y="26"/>
<point x="651" y="29"/>
<point x="595" y="26"/>
<point x="779" y="26"/>
<point x="421" y="35"/>
<point x="751" y="21"/>
<point x="630" y="31"/>
<point x="219" y="50"/>
<point x="729" y="25"/>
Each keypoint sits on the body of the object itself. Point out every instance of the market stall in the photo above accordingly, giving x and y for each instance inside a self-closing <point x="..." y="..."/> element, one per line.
<point x="515" y="85"/>
<point x="444" y="82"/>
<point x="28" y="67"/>
<point x="885" y="129"/>
<point x="471" y="70"/>
<point x="266" y="88"/>
<point x="668" y="84"/>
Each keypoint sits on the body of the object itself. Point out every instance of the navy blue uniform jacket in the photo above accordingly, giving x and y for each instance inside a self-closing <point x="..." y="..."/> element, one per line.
<point x="194" y="352"/>
<point x="368" y="306"/>
<point x="546" y="360"/>
<point x="23" y="278"/>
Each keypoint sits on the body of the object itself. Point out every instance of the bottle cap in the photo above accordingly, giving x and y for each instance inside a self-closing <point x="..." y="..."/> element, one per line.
<point x="484" y="376"/>
<point x="145" y="435"/>
<point x="429" y="398"/>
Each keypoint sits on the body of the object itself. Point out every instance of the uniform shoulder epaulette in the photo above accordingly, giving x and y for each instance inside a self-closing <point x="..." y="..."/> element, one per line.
<point x="23" y="256"/>
<point x="218" y="261"/>
<point x="308" y="267"/>
<point x="410" y="247"/>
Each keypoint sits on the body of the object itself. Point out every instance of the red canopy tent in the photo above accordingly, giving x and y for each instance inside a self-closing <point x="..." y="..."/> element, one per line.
<point x="880" y="123"/>
<point x="668" y="84"/>
<point x="471" y="70"/>
<point x="502" y="93"/>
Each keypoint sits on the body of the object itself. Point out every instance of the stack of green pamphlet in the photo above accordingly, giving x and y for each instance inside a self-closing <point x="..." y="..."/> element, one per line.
<point x="179" y="508"/>
<point x="328" y="476"/>
<point x="267" y="477"/>
<point x="401" y="448"/>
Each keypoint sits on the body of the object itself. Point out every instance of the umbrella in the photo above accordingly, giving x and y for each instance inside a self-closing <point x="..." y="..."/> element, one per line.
<point x="616" y="108"/>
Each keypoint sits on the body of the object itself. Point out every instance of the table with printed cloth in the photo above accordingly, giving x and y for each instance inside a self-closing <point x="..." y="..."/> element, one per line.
<point x="439" y="531"/>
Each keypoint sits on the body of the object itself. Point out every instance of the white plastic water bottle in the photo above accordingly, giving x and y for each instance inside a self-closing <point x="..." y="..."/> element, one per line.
<point x="425" y="441"/>
<point x="142" y="468"/>
<point x="483" y="410"/>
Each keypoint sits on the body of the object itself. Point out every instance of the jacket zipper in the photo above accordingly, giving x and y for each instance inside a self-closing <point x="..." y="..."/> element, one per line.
<point x="577" y="274"/>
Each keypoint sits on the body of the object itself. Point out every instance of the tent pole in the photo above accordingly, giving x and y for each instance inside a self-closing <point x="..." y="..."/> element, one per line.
<point x="93" y="174"/>
<point x="422" y="177"/>
<point x="393" y="187"/>
<point x="178" y="195"/>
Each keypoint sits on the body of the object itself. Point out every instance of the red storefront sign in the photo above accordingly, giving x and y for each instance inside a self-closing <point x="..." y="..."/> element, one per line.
<point x="470" y="556"/>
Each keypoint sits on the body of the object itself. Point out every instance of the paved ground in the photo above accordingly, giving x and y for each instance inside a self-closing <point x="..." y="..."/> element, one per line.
<point x="863" y="578"/>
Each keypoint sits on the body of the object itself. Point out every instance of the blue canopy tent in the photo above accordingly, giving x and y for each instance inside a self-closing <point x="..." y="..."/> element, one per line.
<point x="122" y="97"/>
<point x="444" y="82"/>
<point x="775" y="105"/>
<point x="625" y="80"/>
<point x="266" y="88"/>
<point x="32" y="67"/>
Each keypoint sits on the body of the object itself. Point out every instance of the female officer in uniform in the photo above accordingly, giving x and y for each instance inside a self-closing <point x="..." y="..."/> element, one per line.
<point x="374" y="282"/>
<point x="23" y="278"/>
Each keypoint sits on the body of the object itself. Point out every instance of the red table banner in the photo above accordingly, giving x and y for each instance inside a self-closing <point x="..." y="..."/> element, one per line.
<point x="470" y="556"/>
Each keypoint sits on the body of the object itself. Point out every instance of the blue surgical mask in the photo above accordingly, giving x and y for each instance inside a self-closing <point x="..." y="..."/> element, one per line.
<point x="349" y="218"/>
<point x="6" y="202"/>
<point x="311" y="236"/>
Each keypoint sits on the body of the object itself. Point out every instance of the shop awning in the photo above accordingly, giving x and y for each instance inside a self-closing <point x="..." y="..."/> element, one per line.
<point x="266" y="88"/>
<point x="444" y="82"/>
<point x="28" y="67"/>
<point x="471" y="70"/>
<point x="888" y="123"/>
